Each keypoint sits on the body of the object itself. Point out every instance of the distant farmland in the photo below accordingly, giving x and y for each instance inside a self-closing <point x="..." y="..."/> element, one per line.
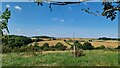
<point x="95" y="42"/>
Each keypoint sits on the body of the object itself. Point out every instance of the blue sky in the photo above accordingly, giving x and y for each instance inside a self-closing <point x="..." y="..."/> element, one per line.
<point x="30" y="20"/>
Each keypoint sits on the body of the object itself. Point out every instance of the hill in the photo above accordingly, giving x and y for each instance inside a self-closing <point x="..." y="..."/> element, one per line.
<point x="42" y="37"/>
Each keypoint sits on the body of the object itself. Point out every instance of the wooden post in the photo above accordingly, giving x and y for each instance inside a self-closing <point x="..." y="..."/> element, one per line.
<point x="74" y="51"/>
<point x="74" y="45"/>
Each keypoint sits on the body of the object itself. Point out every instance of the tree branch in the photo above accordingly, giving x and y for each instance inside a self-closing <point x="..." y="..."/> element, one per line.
<point x="108" y="10"/>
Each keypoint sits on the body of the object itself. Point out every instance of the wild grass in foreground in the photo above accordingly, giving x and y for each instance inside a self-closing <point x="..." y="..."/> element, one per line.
<point x="91" y="58"/>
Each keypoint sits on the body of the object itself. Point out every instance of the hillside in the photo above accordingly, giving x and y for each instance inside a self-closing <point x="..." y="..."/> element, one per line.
<point x="94" y="42"/>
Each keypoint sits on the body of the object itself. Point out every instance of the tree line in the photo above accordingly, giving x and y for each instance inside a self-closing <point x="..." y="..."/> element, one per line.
<point x="105" y="38"/>
<point x="23" y="44"/>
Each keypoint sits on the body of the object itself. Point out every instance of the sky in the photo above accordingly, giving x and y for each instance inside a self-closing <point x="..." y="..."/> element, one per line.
<point x="28" y="19"/>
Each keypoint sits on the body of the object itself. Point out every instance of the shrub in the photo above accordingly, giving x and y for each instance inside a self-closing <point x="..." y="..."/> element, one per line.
<point x="6" y="49"/>
<point x="18" y="41"/>
<point x="87" y="46"/>
<point x="36" y="47"/>
<point x="60" y="46"/>
<point x="65" y="40"/>
<point x="23" y="49"/>
<point x="90" y="40"/>
<point x="16" y="49"/>
<point x="118" y="47"/>
<point x="45" y="46"/>
<point x="101" y="47"/>
<point x="52" y="48"/>
<point x="77" y="45"/>
<point x="79" y="52"/>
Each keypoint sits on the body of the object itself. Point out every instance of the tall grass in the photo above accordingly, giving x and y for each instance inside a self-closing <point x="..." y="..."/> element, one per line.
<point x="91" y="58"/>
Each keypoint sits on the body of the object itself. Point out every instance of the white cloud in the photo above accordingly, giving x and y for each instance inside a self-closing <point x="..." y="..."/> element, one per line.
<point x="8" y="6"/>
<point x="18" y="7"/>
<point x="58" y="19"/>
<point x="62" y="20"/>
<point x="55" y="18"/>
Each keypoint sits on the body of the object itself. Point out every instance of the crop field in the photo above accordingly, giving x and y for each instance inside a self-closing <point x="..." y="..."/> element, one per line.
<point x="53" y="42"/>
<point x="62" y="58"/>
<point x="95" y="43"/>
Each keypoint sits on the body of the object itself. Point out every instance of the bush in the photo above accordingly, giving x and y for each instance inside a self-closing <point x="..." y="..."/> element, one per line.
<point x="52" y="48"/>
<point x="6" y="49"/>
<point x="18" y="41"/>
<point x="90" y="40"/>
<point x="87" y="46"/>
<point x="16" y="49"/>
<point x="77" y="45"/>
<point x="65" y="40"/>
<point x="60" y="46"/>
<point x="101" y="47"/>
<point x="45" y="46"/>
<point x="118" y="47"/>
<point x="36" y="47"/>
<point x="79" y="52"/>
<point x="22" y="49"/>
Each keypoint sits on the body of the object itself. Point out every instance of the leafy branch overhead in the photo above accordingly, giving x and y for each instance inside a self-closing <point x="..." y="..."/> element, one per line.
<point x="4" y="19"/>
<point x="110" y="9"/>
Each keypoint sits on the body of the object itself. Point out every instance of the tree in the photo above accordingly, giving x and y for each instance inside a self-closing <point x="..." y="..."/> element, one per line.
<point x="46" y="46"/>
<point x="77" y="45"/>
<point x="109" y="8"/>
<point x="5" y="16"/>
<point x="36" y="47"/>
<point x="18" y="41"/>
<point x="52" y="48"/>
<point x="77" y="48"/>
<point x="87" y="46"/>
<point x="60" y="46"/>
<point x="4" y="20"/>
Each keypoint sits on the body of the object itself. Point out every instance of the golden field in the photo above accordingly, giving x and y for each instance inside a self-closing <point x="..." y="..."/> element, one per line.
<point x="95" y="43"/>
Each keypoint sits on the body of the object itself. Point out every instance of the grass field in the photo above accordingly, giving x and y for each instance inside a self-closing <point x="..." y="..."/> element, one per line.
<point x="91" y="58"/>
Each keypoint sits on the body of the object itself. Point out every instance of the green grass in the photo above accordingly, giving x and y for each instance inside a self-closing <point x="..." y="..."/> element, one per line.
<point x="91" y="58"/>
